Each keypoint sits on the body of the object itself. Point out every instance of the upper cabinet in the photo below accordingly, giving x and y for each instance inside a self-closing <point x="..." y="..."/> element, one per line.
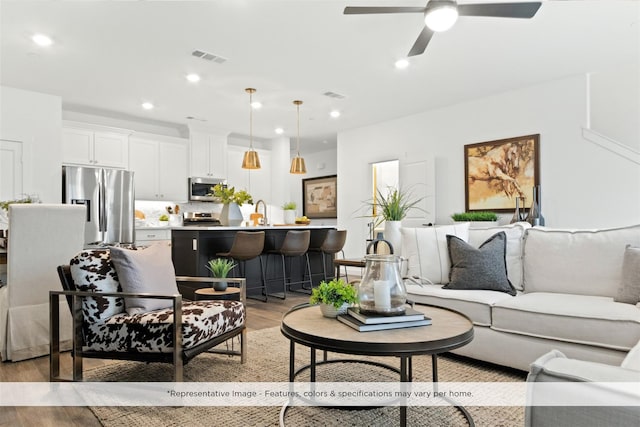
<point x="208" y="154"/>
<point x="160" y="168"/>
<point x="99" y="148"/>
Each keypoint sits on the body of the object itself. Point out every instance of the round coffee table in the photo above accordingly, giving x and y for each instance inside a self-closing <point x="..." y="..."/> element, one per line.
<point x="305" y="325"/>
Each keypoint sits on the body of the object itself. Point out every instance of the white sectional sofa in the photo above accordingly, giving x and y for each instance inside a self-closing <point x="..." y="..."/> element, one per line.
<point x="566" y="281"/>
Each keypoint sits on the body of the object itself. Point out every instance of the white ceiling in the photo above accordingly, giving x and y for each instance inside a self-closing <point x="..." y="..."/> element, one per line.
<point x="110" y="56"/>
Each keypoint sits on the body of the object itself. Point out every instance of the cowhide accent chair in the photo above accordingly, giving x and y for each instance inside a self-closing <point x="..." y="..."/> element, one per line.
<point x="104" y="329"/>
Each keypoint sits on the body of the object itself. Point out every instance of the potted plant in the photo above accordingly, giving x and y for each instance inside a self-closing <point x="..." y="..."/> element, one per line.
<point x="394" y="207"/>
<point x="289" y="209"/>
<point x="477" y="219"/>
<point x="232" y="200"/>
<point x="163" y="220"/>
<point x="334" y="297"/>
<point x="220" y="268"/>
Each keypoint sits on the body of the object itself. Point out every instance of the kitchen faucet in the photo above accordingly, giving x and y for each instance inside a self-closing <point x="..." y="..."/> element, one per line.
<point x="264" y="219"/>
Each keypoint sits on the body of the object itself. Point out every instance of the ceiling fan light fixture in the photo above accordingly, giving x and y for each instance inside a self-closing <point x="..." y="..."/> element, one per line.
<point x="440" y="15"/>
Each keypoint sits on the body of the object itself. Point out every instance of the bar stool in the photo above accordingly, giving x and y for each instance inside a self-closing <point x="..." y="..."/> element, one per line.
<point x="248" y="245"/>
<point x="295" y="245"/>
<point x="333" y="243"/>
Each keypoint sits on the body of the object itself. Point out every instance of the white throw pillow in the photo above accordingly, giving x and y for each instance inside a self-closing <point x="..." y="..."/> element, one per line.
<point x="425" y="249"/>
<point x="146" y="271"/>
<point x="629" y="290"/>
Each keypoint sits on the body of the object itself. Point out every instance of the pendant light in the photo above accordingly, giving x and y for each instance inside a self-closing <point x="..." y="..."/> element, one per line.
<point x="251" y="159"/>
<point x="297" y="163"/>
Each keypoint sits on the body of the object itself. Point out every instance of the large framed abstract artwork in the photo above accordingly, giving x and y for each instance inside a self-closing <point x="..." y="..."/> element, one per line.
<point x="496" y="172"/>
<point x="320" y="197"/>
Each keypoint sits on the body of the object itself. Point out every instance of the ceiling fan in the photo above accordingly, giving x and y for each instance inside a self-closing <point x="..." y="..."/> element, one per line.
<point x="440" y="15"/>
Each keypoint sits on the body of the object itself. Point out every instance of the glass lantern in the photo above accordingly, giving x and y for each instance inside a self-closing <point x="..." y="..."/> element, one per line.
<point x="382" y="291"/>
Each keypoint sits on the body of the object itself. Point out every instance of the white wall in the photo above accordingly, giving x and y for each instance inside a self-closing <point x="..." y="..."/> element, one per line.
<point x="583" y="185"/>
<point x="35" y="119"/>
<point x="320" y="163"/>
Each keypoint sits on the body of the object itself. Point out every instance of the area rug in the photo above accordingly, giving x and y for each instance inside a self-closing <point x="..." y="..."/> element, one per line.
<point x="268" y="355"/>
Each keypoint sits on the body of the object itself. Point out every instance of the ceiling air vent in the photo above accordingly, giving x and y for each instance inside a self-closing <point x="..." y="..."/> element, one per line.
<point x="208" y="56"/>
<point x="334" y="95"/>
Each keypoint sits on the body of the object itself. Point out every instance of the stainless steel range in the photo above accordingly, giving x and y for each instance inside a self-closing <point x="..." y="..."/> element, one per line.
<point x="204" y="219"/>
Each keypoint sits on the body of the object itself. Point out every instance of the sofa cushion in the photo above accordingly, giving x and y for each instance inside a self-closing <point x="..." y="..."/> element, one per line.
<point x="93" y="271"/>
<point x="515" y="237"/>
<point x="481" y="268"/>
<point x="591" y="320"/>
<point x="581" y="262"/>
<point x="152" y="331"/>
<point x="629" y="290"/>
<point x="632" y="361"/>
<point x="146" y="271"/>
<point x="474" y="304"/>
<point x="425" y="249"/>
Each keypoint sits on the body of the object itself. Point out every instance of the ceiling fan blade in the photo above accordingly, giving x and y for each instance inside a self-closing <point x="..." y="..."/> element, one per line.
<point x="500" y="10"/>
<point x="421" y="42"/>
<point x="363" y="10"/>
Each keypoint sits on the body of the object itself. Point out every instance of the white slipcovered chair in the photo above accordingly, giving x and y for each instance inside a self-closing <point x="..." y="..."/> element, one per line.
<point x="41" y="237"/>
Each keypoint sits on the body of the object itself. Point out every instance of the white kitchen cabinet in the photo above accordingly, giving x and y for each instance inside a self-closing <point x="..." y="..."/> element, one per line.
<point x="94" y="148"/>
<point x="160" y="169"/>
<point x="146" y="237"/>
<point x="208" y="155"/>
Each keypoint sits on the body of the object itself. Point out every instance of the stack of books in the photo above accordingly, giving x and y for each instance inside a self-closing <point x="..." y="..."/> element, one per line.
<point x="370" y="322"/>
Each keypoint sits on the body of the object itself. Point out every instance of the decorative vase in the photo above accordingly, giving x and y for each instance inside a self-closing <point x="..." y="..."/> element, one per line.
<point x="220" y="286"/>
<point x="382" y="291"/>
<point x="289" y="216"/>
<point x="328" y="310"/>
<point x="393" y="236"/>
<point x="231" y="215"/>
<point x="535" y="215"/>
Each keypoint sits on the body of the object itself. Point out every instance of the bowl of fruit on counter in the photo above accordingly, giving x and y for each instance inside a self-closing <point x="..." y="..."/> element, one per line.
<point x="303" y="220"/>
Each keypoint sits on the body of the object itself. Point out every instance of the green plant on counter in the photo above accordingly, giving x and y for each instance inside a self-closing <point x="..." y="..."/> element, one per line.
<point x="335" y="292"/>
<point x="220" y="267"/>
<point x="27" y="199"/>
<point x="226" y="195"/>
<point x="289" y="206"/>
<point x="163" y="217"/>
<point x="475" y="216"/>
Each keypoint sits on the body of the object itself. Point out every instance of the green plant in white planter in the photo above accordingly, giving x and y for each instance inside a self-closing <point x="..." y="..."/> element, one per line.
<point x="220" y="268"/>
<point x="289" y="209"/>
<point x="334" y="297"/>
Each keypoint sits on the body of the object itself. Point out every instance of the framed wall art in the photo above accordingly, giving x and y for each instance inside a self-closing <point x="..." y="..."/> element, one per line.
<point x="320" y="197"/>
<point x="496" y="172"/>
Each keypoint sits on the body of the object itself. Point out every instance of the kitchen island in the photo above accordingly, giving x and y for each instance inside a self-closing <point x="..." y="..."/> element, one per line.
<point x="193" y="246"/>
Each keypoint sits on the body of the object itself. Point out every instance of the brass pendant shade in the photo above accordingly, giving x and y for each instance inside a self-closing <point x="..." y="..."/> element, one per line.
<point x="250" y="159"/>
<point x="297" y="163"/>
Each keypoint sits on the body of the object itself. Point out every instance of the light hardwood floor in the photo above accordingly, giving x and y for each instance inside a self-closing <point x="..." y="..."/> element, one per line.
<point x="260" y="315"/>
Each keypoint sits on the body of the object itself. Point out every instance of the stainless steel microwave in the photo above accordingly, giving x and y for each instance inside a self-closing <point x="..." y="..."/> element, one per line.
<point x="200" y="188"/>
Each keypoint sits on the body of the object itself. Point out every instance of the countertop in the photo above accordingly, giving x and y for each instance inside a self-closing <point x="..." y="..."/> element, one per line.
<point x="260" y="227"/>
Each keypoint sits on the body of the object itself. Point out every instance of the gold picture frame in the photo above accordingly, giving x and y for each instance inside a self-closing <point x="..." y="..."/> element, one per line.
<point x="496" y="172"/>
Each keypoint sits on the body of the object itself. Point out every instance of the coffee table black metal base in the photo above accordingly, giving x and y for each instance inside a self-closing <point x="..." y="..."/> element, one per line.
<point x="312" y="332"/>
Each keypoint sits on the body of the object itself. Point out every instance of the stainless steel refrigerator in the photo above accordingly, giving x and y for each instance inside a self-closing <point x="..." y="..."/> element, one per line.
<point x="108" y="195"/>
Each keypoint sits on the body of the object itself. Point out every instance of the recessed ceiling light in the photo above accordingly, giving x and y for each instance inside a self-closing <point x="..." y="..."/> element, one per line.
<point x="42" y="40"/>
<point x="193" y="78"/>
<point x="279" y="131"/>
<point x="335" y="114"/>
<point x="256" y="105"/>
<point x="401" y="64"/>
<point x="147" y="106"/>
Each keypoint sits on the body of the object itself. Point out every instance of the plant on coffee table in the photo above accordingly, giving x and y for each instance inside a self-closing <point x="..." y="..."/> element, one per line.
<point x="334" y="297"/>
<point x="220" y="268"/>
